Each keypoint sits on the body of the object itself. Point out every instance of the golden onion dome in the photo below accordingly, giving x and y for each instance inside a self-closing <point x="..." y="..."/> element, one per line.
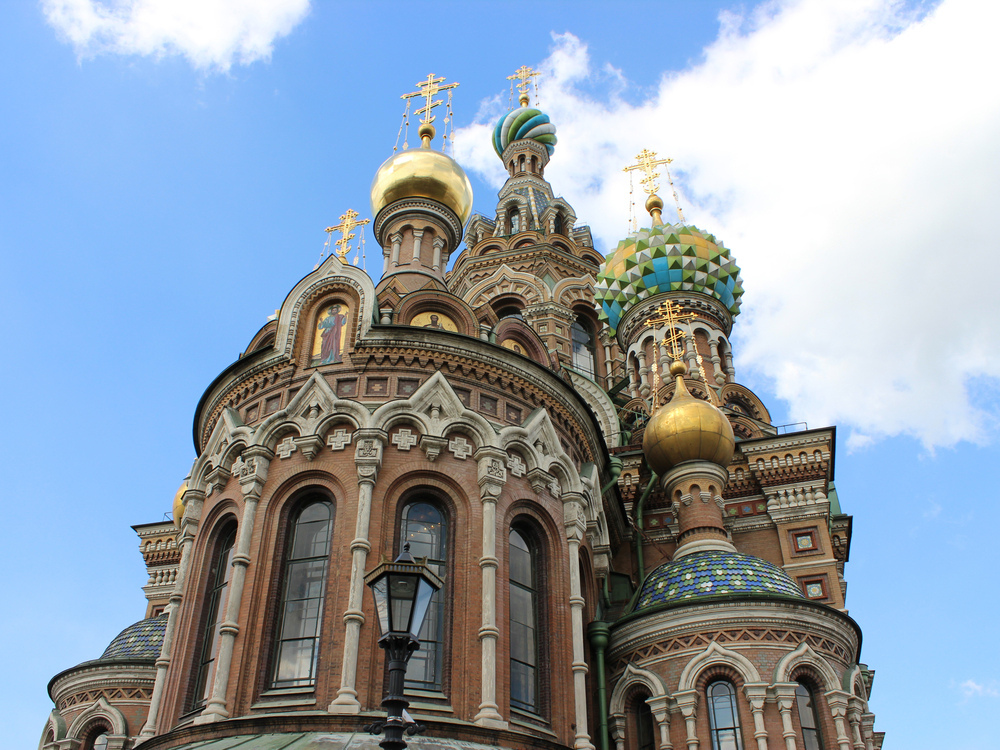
<point x="179" y="505"/>
<point x="422" y="173"/>
<point x="687" y="429"/>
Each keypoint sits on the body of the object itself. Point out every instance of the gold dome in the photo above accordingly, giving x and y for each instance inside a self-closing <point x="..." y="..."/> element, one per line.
<point x="687" y="429"/>
<point x="179" y="505"/>
<point x="422" y="173"/>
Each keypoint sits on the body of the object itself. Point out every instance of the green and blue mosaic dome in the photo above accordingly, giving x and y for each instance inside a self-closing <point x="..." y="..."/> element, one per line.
<point x="715" y="574"/>
<point x="666" y="258"/>
<point x="524" y="122"/>
<point x="139" y="641"/>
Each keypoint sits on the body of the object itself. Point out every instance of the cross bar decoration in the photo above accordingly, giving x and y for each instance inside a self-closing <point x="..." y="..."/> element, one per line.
<point x="524" y="74"/>
<point x="669" y="314"/>
<point x="646" y="161"/>
<point x="428" y="89"/>
<point x="348" y="220"/>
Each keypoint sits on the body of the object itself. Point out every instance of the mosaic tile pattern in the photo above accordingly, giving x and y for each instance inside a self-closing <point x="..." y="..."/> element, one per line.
<point x="139" y="641"/>
<point x="666" y="258"/>
<point x="524" y="122"/>
<point x="714" y="574"/>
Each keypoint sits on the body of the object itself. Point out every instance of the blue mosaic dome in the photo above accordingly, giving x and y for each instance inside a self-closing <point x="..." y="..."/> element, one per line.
<point x="714" y="574"/>
<point x="139" y="641"/>
<point x="524" y="122"/>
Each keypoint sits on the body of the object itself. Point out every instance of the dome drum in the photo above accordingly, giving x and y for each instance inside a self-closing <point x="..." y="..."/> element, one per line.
<point x="418" y="210"/>
<point x="701" y="306"/>
<point x="529" y="147"/>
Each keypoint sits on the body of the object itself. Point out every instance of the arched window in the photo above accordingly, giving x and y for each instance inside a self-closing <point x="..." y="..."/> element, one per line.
<point x="644" y="725"/>
<point x="811" y="739"/>
<point x="514" y="220"/>
<point x="216" y="597"/>
<point x="306" y="560"/>
<point x="723" y="717"/>
<point x="584" y="347"/>
<point x="425" y="528"/>
<point x="524" y="627"/>
<point x="100" y="742"/>
<point x="557" y="224"/>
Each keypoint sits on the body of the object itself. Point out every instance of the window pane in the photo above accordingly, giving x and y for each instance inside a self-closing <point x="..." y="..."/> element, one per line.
<point x="425" y="530"/>
<point x="723" y="717"/>
<point x="301" y="619"/>
<point x="807" y="718"/>
<point x="523" y="623"/>
<point x="295" y="661"/>
<point x="644" y="719"/>
<point x="215" y="610"/>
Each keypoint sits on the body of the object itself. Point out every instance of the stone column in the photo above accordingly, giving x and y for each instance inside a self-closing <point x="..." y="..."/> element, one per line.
<point x="617" y="726"/>
<point x="756" y="694"/>
<point x="417" y="236"/>
<point x="720" y="378"/>
<point x="492" y="476"/>
<point x="644" y="387"/>
<point x="396" y="240"/>
<point x="837" y="700"/>
<point x="575" y="527"/>
<point x="854" y="719"/>
<point x="437" y="244"/>
<point x="368" y="459"/>
<point x="868" y="728"/>
<point x="691" y="355"/>
<point x="784" y="693"/>
<point x="687" y="702"/>
<point x="193" y="502"/>
<point x="251" y="470"/>
<point x="659" y="706"/>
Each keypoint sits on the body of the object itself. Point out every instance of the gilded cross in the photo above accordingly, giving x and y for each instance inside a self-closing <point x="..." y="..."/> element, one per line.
<point x="646" y="161"/>
<point x="669" y="314"/>
<point x="524" y="74"/>
<point x="428" y="89"/>
<point x="348" y="220"/>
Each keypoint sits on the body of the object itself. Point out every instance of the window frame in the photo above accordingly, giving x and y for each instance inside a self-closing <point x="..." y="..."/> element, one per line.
<point x="536" y="563"/>
<point x="215" y="602"/>
<point x="815" y="731"/>
<point x="714" y="730"/>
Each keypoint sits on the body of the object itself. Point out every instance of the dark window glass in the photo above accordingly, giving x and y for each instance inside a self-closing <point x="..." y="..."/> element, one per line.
<point x="723" y="718"/>
<point x="584" y="349"/>
<point x="425" y="529"/>
<point x="557" y="224"/>
<point x="215" y="610"/>
<point x="807" y="718"/>
<point x="100" y="742"/>
<point x="302" y="597"/>
<point x="514" y="221"/>
<point x="644" y="719"/>
<point x="523" y="561"/>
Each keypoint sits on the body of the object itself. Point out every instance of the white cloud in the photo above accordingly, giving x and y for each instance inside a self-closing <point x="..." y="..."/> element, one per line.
<point x="973" y="689"/>
<point x="849" y="154"/>
<point x="211" y="34"/>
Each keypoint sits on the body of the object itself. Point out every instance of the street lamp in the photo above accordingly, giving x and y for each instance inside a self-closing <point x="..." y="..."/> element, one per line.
<point x="402" y="591"/>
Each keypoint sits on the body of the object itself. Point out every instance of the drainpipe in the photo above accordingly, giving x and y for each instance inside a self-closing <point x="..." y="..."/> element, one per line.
<point x="615" y="466"/>
<point x="640" y="563"/>
<point x="598" y="632"/>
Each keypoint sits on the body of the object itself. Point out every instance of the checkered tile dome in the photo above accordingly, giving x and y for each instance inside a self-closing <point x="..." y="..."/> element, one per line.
<point x="139" y="641"/>
<point x="524" y="122"/>
<point x="666" y="258"/>
<point x="714" y="574"/>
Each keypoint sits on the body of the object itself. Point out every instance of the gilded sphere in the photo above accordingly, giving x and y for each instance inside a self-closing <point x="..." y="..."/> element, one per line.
<point x="687" y="429"/>
<point x="422" y="173"/>
<point x="179" y="505"/>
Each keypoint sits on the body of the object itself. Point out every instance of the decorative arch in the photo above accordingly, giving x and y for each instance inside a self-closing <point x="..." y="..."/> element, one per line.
<point x="715" y="655"/>
<point x="431" y="300"/>
<point x="505" y="280"/>
<point x="854" y="683"/>
<point x="55" y="729"/>
<point x="805" y="656"/>
<point x="517" y="331"/>
<point x="97" y="711"/>
<point x="632" y="677"/>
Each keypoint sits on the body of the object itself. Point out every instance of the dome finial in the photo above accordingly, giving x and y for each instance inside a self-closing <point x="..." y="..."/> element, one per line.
<point x="524" y="123"/>
<point x="646" y="161"/>
<point x="428" y="89"/>
<point x="526" y="76"/>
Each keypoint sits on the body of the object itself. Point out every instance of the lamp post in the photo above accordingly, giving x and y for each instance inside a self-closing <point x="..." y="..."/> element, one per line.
<point x="402" y="591"/>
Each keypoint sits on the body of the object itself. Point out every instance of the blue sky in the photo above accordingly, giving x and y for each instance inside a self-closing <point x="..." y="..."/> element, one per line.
<point x="165" y="180"/>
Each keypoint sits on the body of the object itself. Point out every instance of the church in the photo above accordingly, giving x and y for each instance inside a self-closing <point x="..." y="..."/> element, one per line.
<point x="632" y="555"/>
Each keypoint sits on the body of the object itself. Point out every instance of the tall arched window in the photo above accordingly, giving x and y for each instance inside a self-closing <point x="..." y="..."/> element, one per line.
<point x="306" y="560"/>
<point x="723" y="717"/>
<point x="811" y="739"/>
<point x="523" y="562"/>
<point x="557" y="223"/>
<point x="215" y="610"/>
<point x="584" y="347"/>
<point x="644" y="725"/>
<point x="514" y="220"/>
<point x="100" y="741"/>
<point x="425" y="528"/>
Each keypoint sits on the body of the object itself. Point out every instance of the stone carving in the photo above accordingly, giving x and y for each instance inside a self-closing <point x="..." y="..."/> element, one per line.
<point x="367" y="449"/>
<point x="495" y="469"/>
<point x="404" y="439"/>
<point x="516" y="465"/>
<point x="339" y="439"/>
<point x="286" y="447"/>
<point x="461" y="448"/>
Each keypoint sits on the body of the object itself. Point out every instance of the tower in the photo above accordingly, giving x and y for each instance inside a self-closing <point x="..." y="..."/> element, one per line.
<point x="623" y="555"/>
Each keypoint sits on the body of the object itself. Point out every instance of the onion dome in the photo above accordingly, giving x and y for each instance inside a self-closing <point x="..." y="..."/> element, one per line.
<point x="178" y="506"/>
<point x="715" y="574"/>
<point x="524" y="122"/>
<point x="666" y="258"/>
<point x="686" y="429"/>
<point x="423" y="173"/>
<point x="142" y="640"/>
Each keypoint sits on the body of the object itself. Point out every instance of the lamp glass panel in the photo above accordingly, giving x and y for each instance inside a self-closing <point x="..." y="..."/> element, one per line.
<point x="424" y="593"/>
<point x="380" y="590"/>
<point x="402" y="592"/>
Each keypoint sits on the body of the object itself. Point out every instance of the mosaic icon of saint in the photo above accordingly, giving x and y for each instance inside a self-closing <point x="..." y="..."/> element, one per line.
<point x="331" y="332"/>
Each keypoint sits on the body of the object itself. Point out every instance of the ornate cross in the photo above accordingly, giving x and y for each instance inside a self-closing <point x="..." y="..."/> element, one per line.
<point x="646" y="161"/>
<point x="348" y="220"/>
<point x="524" y="74"/>
<point x="669" y="314"/>
<point x="428" y="89"/>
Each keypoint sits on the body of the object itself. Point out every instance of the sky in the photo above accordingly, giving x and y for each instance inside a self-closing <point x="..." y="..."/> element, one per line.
<point x="167" y="169"/>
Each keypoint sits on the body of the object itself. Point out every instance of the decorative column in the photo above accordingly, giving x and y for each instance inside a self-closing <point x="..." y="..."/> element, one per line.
<point x="837" y="700"/>
<point x="417" y="236"/>
<point x="396" y="240"/>
<point x="868" y="728"/>
<point x="575" y="526"/>
<point x="854" y="719"/>
<point x="438" y="244"/>
<point x="251" y="470"/>
<point x="687" y="702"/>
<point x="193" y="502"/>
<point x="492" y="476"/>
<point x="756" y="694"/>
<point x="784" y="693"/>
<point x="660" y="708"/>
<point x="368" y="460"/>
<point x="720" y="378"/>
<point x="643" y="374"/>
<point x="691" y="355"/>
